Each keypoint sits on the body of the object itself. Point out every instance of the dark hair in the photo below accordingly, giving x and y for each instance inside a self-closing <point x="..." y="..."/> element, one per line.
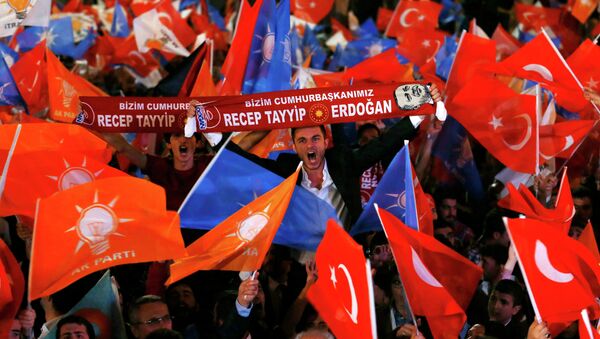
<point x="365" y="127"/>
<point x="582" y="192"/>
<point x="497" y="252"/>
<point x="75" y="319"/>
<point x="164" y="333"/>
<point x="445" y="193"/>
<point x="293" y="130"/>
<point x="511" y="288"/>
<point x="135" y="306"/>
<point x="491" y="224"/>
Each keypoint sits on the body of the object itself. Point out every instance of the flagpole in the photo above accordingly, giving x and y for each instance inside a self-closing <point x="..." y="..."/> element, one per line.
<point x="538" y="111"/>
<point x="204" y="173"/>
<point x="462" y="35"/>
<point x="11" y="151"/>
<point x="538" y="317"/>
<point x="567" y="66"/>
<point x="410" y="311"/>
<point x="586" y="321"/>
<point x="596" y="39"/>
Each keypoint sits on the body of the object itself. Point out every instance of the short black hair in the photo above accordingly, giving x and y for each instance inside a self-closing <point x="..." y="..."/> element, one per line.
<point x="512" y="288"/>
<point x="497" y="252"/>
<point x="493" y="223"/>
<point x="293" y="130"/>
<point x="75" y="319"/>
<point x="582" y="192"/>
<point x="164" y="333"/>
<point x="365" y="127"/>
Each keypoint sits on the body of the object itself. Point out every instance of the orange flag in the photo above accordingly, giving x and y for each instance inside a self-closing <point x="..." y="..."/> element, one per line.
<point x="99" y="225"/>
<point x="12" y="287"/>
<point x="241" y="241"/>
<point x="588" y="239"/>
<point x="64" y="89"/>
<point x="204" y="85"/>
<point x="582" y="10"/>
<point x="35" y="175"/>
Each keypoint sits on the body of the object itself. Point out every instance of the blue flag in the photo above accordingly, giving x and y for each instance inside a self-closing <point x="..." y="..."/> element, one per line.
<point x="119" y="27"/>
<point x="359" y="50"/>
<point x="216" y="17"/>
<point x="368" y="29"/>
<point x="9" y="93"/>
<point x="445" y="57"/>
<point x="395" y="193"/>
<point x="30" y="37"/>
<point x="101" y="307"/>
<point x="187" y="3"/>
<point x="312" y="46"/>
<point x="453" y="148"/>
<point x="451" y="11"/>
<point x="10" y="56"/>
<point x="269" y="66"/>
<point x="59" y="37"/>
<point x="233" y="181"/>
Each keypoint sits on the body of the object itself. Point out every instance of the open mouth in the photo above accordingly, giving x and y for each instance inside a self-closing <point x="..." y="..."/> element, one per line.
<point x="312" y="156"/>
<point x="183" y="149"/>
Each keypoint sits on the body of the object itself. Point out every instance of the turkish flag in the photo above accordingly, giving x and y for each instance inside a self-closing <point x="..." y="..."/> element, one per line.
<point x="127" y="53"/>
<point x="562" y="138"/>
<point x="506" y="44"/>
<point x="384" y="16"/>
<point x="234" y="65"/>
<point x="413" y="14"/>
<point x="29" y="73"/>
<point x="582" y="9"/>
<point x="535" y="18"/>
<point x="472" y="54"/>
<point x="524" y="202"/>
<point x="311" y="10"/>
<point x="343" y="294"/>
<point x="424" y="208"/>
<point x="555" y="265"/>
<point x="64" y="89"/>
<point x="504" y="122"/>
<point x="204" y="85"/>
<point x="140" y="7"/>
<point x="579" y="62"/>
<point x="540" y="61"/>
<point x="428" y="270"/>
<point x="35" y="175"/>
<point x="99" y="225"/>
<point x="12" y="288"/>
<point x="588" y="239"/>
<point x="241" y="241"/>
<point x="420" y="45"/>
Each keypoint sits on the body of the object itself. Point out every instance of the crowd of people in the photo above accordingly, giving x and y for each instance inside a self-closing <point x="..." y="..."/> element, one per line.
<point x="273" y="302"/>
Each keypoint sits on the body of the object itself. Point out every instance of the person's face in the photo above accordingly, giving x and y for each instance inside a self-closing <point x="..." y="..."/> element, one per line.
<point x="72" y="331"/>
<point x="409" y="95"/>
<point x="310" y="144"/>
<point x="491" y="269"/>
<point x="368" y="135"/>
<point x="583" y="207"/>
<point x="151" y="317"/>
<point x="183" y="148"/>
<point x="181" y="297"/>
<point x="502" y="238"/>
<point x="15" y="330"/>
<point x="448" y="210"/>
<point x="501" y="307"/>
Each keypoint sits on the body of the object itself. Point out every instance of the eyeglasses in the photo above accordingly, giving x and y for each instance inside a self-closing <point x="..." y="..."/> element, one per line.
<point x="155" y="321"/>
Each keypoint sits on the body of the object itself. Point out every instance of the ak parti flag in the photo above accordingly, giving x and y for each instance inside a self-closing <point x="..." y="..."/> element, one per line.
<point x="98" y="225"/>
<point x="12" y="288"/>
<point x="35" y="175"/>
<point x="240" y="242"/>
<point x="524" y="202"/>
<point x="343" y="294"/>
<point x="427" y="294"/>
<point x="64" y="89"/>
<point x="555" y="265"/>
<point x="504" y="122"/>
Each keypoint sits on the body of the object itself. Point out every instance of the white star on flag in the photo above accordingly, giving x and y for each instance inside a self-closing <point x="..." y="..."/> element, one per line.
<point x="496" y="122"/>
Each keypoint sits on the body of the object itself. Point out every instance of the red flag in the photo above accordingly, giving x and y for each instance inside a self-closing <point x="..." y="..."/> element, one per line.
<point x="337" y="26"/>
<point x="204" y="85"/>
<point x="472" y="54"/>
<point x="423" y="208"/>
<point x="29" y="73"/>
<point x="384" y="16"/>
<point x="504" y="122"/>
<point x="579" y="62"/>
<point x="535" y="18"/>
<point x="523" y="201"/>
<point x="241" y="241"/>
<point x="582" y="9"/>
<point x="64" y="89"/>
<point x="233" y="68"/>
<point x="100" y="225"/>
<point x="12" y="286"/>
<point x="35" y="175"/>
<point x="588" y="239"/>
<point x="420" y="45"/>
<point x="428" y="270"/>
<point x="562" y="139"/>
<point x="540" y="61"/>
<point x="413" y="14"/>
<point x="506" y="44"/>
<point x="126" y="52"/>
<point x="554" y="264"/>
<point x="140" y="7"/>
<point x="343" y="294"/>
<point x="311" y="10"/>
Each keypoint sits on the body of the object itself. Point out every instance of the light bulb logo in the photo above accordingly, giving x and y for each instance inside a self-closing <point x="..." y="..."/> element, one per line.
<point x="20" y="7"/>
<point x="75" y="175"/>
<point x="251" y="226"/>
<point x="95" y="224"/>
<point x="68" y="92"/>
